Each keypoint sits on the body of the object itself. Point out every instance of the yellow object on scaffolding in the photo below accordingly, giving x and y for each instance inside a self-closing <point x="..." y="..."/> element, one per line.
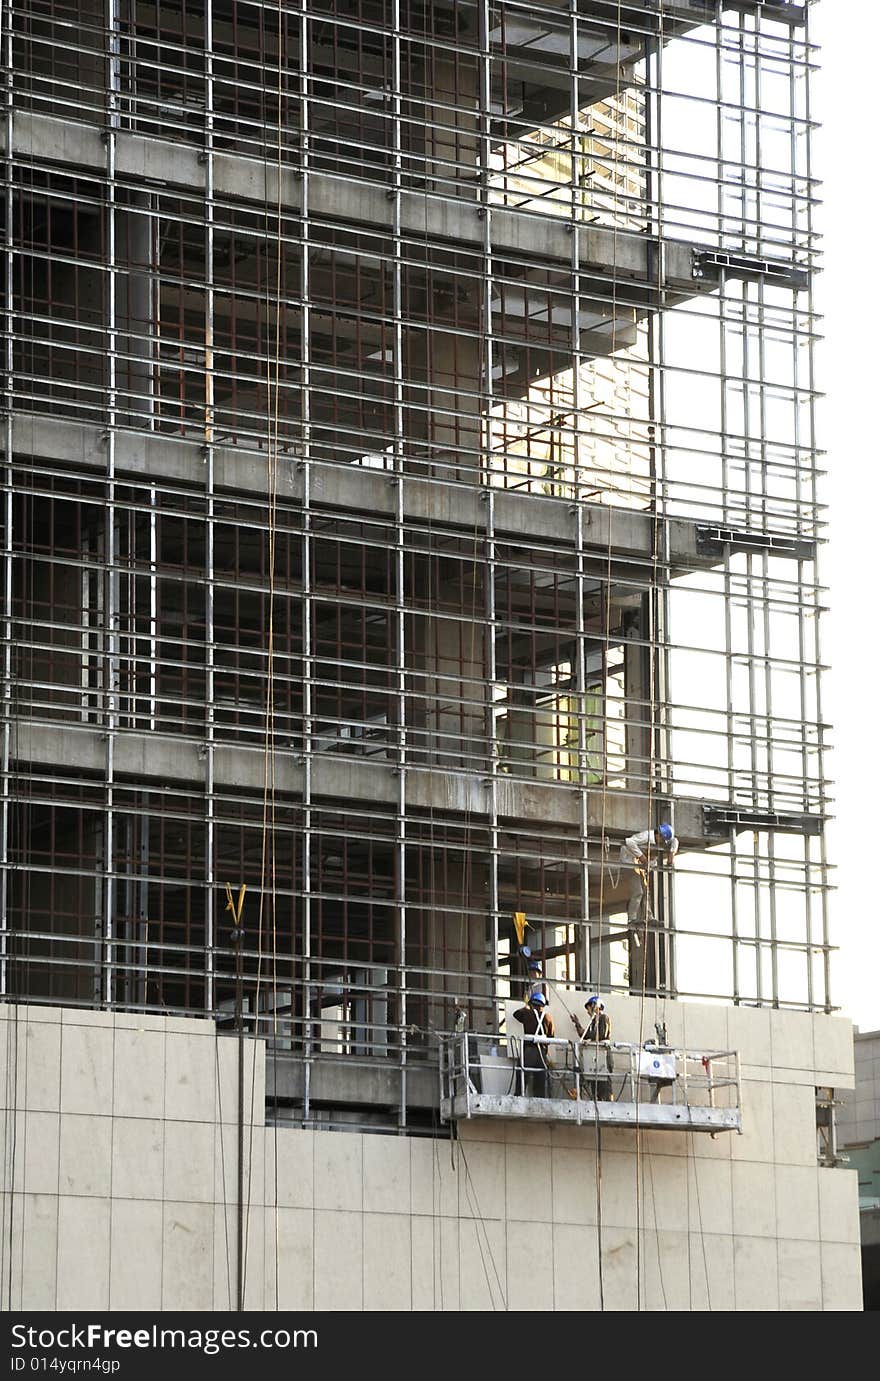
<point x="232" y="905"/>
<point x="520" y="923"/>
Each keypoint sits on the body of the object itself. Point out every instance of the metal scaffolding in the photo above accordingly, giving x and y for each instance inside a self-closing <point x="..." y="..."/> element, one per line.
<point x="410" y="491"/>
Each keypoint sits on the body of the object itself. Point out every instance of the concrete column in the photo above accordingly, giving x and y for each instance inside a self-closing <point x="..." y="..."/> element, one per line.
<point x="459" y="944"/>
<point x="136" y="308"/>
<point x="449" y="679"/>
<point x="88" y="56"/>
<point x="451" y="115"/>
<point x="637" y="690"/>
<point x="455" y="417"/>
<point x="447" y="411"/>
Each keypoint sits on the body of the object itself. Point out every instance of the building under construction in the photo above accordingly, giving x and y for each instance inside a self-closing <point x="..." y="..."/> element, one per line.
<point x="411" y="492"/>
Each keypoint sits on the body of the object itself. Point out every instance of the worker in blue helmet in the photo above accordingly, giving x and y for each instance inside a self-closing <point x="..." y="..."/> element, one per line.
<point x="536" y="981"/>
<point x="595" y="1062"/>
<point x="642" y="852"/>
<point x="537" y="1024"/>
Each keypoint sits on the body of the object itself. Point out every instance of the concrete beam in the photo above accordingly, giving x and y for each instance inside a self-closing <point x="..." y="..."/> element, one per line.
<point x="357" y="1082"/>
<point x="356" y="490"/>
<point x="181" y="761"/>
<point x="457" y="221"/>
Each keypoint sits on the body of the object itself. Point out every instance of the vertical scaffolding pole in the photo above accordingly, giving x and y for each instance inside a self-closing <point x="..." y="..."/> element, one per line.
<point x="306" y="464"/>
<point x="209" y="444"/>
<point x="9" y="402"/>
<point x="660" y="768"/>
<point x="582" y="929"/>
<point x="104" y="978"/>
<point x="488" y="497"/>
<point x="816" y="658"/>
<point x="399" y="643"/>
<point x="727" y="518"/>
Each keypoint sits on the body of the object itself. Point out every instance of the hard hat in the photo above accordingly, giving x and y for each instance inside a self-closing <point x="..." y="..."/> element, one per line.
<point x="591" y="1001"/>
<point x="665" y="833"/>
<point x="534" y="965"/>
<point x="538" y="997"/>
<point x="525" y="951"/>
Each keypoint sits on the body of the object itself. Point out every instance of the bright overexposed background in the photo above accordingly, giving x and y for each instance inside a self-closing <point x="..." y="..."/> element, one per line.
<point x="848" y="370"/>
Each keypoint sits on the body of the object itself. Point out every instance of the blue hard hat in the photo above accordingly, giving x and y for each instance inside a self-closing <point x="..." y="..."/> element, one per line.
<point x="538" y="997"/>
<point x="525" y="951"/>
<point x="665" y="833"/>
<point x="591" y="1000"/>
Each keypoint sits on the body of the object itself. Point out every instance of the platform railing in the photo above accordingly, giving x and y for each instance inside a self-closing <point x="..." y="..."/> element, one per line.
<point x="518" y="1075"/>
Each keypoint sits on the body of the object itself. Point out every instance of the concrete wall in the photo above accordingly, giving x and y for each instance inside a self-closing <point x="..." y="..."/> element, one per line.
<point x="859" y="1119"/>
<point x="119" y="1174"/>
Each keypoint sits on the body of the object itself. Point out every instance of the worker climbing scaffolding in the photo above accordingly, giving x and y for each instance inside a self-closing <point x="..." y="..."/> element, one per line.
<point x="641" y="853"/>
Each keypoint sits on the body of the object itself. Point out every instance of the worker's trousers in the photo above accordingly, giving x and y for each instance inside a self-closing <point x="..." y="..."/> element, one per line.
<point x="638" y="898"/>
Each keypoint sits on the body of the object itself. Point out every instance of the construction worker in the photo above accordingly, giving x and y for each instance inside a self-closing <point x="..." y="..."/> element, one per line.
<point x="638" y="852"/>
<point x="536" y="980"/>
<point x="598" y="1030"/>
<point x="536" y="1021"/>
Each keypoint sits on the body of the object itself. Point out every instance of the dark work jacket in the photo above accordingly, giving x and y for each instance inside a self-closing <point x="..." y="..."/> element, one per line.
<point x="599" y="1028"/>
<point x="534" y="1056"/>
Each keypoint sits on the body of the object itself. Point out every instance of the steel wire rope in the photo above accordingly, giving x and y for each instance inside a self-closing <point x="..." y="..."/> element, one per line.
<point x="463" y="700"/>
<point x="655" y="707"/>
<point x="646" y="899"/>
<point x="268" y="830"/>
<point x="436" y="1185"/>
<point x="482" y="481"/>
<point x="691" y="1157"/>
<point x="281" y="251"/>
<point x="24" y="814"/>
<point x="614" y="109"/>
<point x="10" y="1146"/>
<point x="474" y="1201"/>
<point x="217" y="1046"/>
<point x="219" y="1086"/>
<point x="436" y="1206"/>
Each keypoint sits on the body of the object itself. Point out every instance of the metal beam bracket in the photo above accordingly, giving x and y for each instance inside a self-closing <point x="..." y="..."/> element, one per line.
<point x="711" y="263"/>
<point x="712" y="539"/>
<point x="720" y="820"/>
<point x="783" y="10"/>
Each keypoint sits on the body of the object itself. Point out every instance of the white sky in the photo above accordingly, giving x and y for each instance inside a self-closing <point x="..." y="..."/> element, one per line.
<point x="848" y="370"/>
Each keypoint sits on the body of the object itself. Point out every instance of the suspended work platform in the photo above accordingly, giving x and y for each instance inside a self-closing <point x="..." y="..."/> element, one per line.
<point x="612" y="1083"/>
